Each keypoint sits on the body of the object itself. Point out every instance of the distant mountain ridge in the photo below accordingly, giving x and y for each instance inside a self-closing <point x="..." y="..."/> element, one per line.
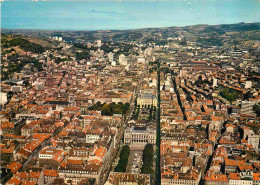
<point x="227" y="27"/>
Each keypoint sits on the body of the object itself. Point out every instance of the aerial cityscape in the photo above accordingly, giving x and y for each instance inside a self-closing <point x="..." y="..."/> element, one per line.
<point x="129" y="104"/>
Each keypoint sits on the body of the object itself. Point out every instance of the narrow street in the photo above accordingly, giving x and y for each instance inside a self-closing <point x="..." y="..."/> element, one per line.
<point x="178" y="96"/>
<point x="158" y="129"/>
<point x="36" y="152"/>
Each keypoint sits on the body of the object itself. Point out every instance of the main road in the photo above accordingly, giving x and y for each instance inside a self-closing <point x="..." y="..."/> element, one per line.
<point x="106" y="172"/>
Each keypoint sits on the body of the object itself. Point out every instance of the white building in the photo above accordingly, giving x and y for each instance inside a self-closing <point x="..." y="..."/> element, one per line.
<point x="247" y="107"/>
<point x="73" y="175"/>
<point x="57" y="38"/>
<point x="119" y="178"/>
<point x="99" y="43"/>
<point x="243" y="178"/>
<point x="127" y="67"/>
<point x="140" y="135"/>
<point x="113" y="63"/>
<point x="253" y="139"/>
<point x="49" y="176"/>
<point x="3" y="98"/>
<point x="248" y="84"/>
<point x="149" y="51"/>
<point x="215" y="82"/>
<point x="192" y="179"/>
<point x="122" y="59"/>
<point x="145" y="99"/>
<point x="92" y="138"/>
<point x="141" y="60"/>
<point x="17" y="88"/>
<point x="49" y="153"/>
<point x="110" y="57"/>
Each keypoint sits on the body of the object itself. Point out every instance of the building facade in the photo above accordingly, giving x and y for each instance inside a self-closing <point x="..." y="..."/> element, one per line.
<point x="147" y="99"/>
<point x="140" y="135"/>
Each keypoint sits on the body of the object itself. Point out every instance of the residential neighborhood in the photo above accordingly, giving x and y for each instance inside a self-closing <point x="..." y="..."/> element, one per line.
<point x="158" y="106"/>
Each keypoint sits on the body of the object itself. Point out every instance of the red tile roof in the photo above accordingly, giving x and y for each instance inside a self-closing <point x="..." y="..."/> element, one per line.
<point x="14" y="167"/>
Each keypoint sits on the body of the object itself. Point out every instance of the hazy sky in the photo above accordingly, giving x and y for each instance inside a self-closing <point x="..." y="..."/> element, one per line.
<point x="93" y="15"/>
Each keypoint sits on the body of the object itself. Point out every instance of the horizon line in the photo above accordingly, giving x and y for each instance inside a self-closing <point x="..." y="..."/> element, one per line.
<point x="123" y="29"/>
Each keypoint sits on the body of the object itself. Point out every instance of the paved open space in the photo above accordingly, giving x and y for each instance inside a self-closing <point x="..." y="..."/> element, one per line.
<point x="135" y="161"/>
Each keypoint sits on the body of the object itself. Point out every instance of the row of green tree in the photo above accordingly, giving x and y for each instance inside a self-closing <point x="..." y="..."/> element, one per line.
<point x="26" y="45"/>
<point x="136" y="111"/>
<point x="122" y="163"/>
<point x="83" y="55"/>
<point x="18" y="66"/>
<point x="60" y="60"/>
<point x="154" y="62"/>
<point x="8" y="51"/>
<point x="166" y="70"/>
<point x="147" y="159"/>
<point x="128" y="36"/>
<point x="212" y="41"/>
<point x="152" y="114"/>
<point x="105" y="47"/>
<point x="110" y="109"/>
<point x="84" y="46"/>
<point x="230" y="94"/>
